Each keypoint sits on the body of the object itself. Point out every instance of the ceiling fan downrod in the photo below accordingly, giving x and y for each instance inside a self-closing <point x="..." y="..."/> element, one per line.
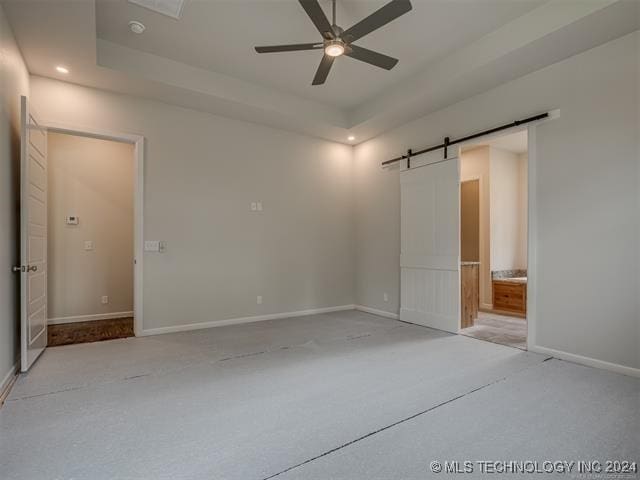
<point x="334" y="12"/>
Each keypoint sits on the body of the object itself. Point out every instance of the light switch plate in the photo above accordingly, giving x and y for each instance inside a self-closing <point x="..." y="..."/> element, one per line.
<point x="88" y="245"/>
<point x="152" y="245"/>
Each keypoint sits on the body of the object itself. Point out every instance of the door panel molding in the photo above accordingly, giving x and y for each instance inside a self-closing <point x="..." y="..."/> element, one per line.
<point x="33" y="236"/>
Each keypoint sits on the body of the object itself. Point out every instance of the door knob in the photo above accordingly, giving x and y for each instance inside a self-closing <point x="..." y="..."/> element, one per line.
<point x="32" y="268"/>
<point x="17" y="268"/>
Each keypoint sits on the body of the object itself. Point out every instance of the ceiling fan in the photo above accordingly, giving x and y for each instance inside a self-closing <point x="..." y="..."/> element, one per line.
<point x="337" y="41"/>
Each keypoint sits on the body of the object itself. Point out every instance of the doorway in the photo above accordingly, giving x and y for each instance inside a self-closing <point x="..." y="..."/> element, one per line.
<point x="34" y="315"/>
<point x="493" y="243"/>
<point x="90" y="248"/>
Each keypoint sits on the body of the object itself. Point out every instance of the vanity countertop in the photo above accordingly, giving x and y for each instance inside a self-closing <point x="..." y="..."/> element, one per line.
<point x="511" y="279"/>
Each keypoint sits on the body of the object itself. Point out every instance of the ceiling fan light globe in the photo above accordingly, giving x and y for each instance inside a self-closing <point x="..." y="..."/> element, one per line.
<point x="334" y="49"/>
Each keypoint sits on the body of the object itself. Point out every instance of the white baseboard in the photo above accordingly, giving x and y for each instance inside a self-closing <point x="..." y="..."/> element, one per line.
<point x="375" y="311"/>
<point x="588" y="361"/>
<point x="236" y="321"/>
<point x="7" y="382"/>
<point x="89" y="318"/>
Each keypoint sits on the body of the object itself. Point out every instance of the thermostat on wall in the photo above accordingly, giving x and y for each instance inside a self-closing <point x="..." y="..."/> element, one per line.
<point x="72" y="220"/>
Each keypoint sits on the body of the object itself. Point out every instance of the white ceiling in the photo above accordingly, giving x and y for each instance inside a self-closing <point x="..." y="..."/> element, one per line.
<point x="220" y="36"/>
<point x="448" y="50"/>
<point x="512" y="142"/>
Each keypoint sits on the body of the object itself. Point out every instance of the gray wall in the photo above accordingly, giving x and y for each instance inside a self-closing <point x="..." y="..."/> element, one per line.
<point x="14" y="81"/>
<point x="202" y="172"/>
<point x="588" y="198"/>
<point x="93" y="179"/>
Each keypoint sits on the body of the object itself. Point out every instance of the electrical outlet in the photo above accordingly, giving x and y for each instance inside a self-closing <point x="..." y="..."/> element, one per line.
<point x="385" y="296"/>
<point x="105" y="299"/>
<point x="88" y="245"/>
<point x="259" y="299"/>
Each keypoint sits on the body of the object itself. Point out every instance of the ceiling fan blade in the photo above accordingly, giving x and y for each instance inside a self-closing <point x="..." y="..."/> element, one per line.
<point x="377" y="19"/>
<point x="323" y="70"/>
<point x="317" y="16"/>
<point x="369" y="56"/>
<point x="289" y="48"/>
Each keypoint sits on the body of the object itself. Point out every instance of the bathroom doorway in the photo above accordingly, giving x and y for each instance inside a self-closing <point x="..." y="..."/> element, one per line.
<point x="493" y="239"/>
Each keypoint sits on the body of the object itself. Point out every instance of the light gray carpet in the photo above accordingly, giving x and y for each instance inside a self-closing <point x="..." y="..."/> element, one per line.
<point x="556" y="411"/>
<point x="252" y="401"/>
<point x="502" y="329"/>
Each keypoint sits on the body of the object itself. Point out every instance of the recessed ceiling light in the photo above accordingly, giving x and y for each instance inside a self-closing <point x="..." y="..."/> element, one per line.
<point x="136" y="27"/>
<point x="62" y="69"/>
<point x="351" y="138"/>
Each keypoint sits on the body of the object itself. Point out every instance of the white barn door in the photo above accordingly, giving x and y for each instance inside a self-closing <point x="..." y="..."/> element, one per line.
<point x="430" y="243"/>
<point x="33" y="237"/>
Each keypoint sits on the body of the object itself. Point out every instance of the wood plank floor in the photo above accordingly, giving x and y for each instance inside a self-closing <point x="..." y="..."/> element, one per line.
<point x="85" y="332"/>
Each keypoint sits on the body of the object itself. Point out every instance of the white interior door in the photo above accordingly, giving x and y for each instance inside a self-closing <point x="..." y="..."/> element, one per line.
<point x="430" y="243"/>
<point x="33" y="237"/>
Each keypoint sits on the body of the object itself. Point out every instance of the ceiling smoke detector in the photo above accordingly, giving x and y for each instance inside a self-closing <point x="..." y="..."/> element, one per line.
<point x="170" y="8"/>
<point x="136" y="27"/>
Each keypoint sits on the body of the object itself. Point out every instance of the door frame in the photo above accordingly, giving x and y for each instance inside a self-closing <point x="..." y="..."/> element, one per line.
<point x="532" y="218"/>
<point x="483" y="259"/>
<point x="138" y="202"/>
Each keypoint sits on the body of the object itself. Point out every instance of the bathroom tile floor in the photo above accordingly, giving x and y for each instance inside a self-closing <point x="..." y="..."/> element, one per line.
<point x="501" y="329"/>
